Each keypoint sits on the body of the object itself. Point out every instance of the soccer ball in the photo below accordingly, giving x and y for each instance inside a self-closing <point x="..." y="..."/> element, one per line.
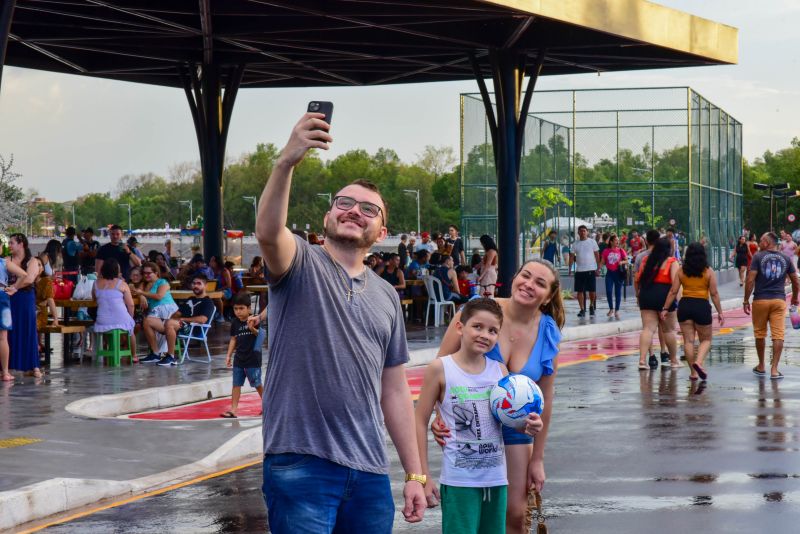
<point x="513" y="398"/>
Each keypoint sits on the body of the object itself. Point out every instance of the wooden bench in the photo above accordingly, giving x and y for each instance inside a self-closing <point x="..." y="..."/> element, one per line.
<point x="63" y="329"/>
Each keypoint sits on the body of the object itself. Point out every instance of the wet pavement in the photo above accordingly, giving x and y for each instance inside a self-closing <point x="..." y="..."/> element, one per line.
<point x="629" y="451"/>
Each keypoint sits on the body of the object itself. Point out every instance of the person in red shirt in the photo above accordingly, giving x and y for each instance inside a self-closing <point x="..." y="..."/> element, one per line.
<point x="635" y="244"/>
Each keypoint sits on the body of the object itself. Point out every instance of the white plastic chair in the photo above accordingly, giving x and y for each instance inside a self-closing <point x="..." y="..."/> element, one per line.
<point x="436" y="299"/>
<point x="199" y="332"/>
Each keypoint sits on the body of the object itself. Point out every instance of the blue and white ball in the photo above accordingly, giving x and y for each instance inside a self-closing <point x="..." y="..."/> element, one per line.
<point x="513" y="398"/>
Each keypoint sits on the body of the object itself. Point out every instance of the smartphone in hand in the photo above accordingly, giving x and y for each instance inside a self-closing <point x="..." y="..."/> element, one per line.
<point x="318" y="106"/>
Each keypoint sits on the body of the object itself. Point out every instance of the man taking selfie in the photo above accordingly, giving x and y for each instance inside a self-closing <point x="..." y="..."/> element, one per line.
<point x="329" y="390"/>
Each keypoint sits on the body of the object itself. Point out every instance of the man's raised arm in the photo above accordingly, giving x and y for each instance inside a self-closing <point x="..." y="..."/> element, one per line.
<point x="274" y="238"/>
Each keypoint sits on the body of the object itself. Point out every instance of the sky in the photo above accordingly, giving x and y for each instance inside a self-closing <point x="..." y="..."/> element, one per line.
<point x="73" y="135"/>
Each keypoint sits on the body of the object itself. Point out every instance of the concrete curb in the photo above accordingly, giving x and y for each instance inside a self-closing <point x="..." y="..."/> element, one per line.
<point x="60" y="495"/>
<point x="572" y="333"/>
<point x="128" y="402"/>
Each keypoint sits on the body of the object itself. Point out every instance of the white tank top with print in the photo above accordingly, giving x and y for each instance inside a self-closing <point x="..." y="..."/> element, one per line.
<point x="474" y="456"/>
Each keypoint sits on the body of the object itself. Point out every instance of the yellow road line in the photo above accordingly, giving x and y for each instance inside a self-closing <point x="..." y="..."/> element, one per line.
<point x="10" y="443"/>
<point x="142" y="496"/>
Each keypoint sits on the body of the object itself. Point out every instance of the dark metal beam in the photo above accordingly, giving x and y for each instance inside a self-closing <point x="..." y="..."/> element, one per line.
<point x="6" y="15"/>
<point x="48" y="53"/>
<point x="208" y="35"/>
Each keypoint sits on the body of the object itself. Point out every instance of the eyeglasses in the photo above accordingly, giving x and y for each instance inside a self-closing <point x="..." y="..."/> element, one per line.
<point x="368" y="209"/>
<point x="147" y="272"/>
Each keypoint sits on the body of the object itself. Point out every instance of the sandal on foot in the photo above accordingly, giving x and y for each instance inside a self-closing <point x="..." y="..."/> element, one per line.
<point x="228" y="415"/>
<point x="643" y="367"/>
<point x="700" y="371"/>
<point x="779" y="376"/>
<point x="692" y="378"/>
<point x="757" y="372"/>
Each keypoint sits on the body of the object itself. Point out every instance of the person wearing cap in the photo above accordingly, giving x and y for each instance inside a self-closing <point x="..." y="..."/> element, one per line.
<point x="426" y="243"/>
<point x="133" y="243"/>
<point x="196" y="266"/>
<point x="119" y="251"/>
<point x="89" y="252"/>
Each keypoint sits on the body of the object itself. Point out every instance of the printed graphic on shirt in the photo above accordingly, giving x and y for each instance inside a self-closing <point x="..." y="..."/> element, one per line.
<point x="773" y="266"/>
<point x="478" y="437"/>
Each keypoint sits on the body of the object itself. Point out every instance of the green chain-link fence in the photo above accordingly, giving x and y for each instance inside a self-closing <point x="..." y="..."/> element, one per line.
<point x="625" y="158"/>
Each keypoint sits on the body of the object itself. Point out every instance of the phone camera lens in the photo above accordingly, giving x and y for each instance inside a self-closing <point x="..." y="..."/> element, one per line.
<point x="314" y="106"/>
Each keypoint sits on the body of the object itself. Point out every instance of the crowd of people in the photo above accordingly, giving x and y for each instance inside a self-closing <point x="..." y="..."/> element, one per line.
<point x="131" y="288"/>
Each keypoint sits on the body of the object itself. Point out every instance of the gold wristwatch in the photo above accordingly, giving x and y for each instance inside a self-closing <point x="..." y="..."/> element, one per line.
<point x="422" y="479"/>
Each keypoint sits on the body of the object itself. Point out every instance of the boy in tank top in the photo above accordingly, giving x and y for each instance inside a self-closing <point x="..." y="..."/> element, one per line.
<point x="473" y="477"/>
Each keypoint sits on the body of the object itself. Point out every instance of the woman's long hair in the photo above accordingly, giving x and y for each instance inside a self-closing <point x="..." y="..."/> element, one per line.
<point x="488" y="243"/>
<point x="20" y="238"/>
<point x="53" y="250"/>
<point x="695" y="262"/>
<point x="555" y="307"/>
<point x="661" y="251"/>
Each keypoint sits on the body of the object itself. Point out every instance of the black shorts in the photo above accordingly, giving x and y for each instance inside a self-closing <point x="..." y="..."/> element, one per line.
<point x="585" y="282"/>
<point x="694" y="309"/>
<point x="654" y="296"/>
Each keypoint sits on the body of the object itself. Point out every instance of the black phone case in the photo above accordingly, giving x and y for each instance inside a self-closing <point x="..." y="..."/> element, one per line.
<point x="324" y="107"/>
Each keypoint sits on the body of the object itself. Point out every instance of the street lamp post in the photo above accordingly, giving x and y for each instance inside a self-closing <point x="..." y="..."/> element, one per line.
<point x="786" y="195"/>
<point x="329" y="196"/>
<point x="254" y="200"/>
<point x="191" y="211"/>
<point x="415" y="192"/>
<point x="130" y="226"/>
<point x="73" y="214"/>
<point x="771" y="197"/>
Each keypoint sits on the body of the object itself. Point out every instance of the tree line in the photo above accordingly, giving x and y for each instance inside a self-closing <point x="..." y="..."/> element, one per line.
<point x="157" y="200"/>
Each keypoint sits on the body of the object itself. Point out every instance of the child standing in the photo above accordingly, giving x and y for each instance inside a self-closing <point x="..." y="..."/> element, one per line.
<point x="473" y="477"/>
<point x="244" y="352"/>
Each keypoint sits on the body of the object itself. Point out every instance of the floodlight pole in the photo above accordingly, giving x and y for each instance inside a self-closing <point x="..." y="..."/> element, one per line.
<point x="6" y="15"/>
<point x="130" y="226"/>
<point x="254" y="200"/>
<point x="507" y="117"/>
<point x="415" y="192"/>
<point x="191" y="209"/>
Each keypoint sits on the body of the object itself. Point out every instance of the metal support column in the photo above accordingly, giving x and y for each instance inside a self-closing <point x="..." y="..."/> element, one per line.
<point x="507" y="117"/>
<point x="211" y="112"/>
<point x="6" y="15"/>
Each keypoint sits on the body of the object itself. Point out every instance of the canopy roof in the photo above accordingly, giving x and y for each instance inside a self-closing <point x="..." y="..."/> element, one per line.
<point x="292" y="43"/>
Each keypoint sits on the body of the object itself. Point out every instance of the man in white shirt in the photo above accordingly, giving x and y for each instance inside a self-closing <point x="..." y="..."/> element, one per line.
<point x="586" y="256"/>
<point x="426" y="243"/>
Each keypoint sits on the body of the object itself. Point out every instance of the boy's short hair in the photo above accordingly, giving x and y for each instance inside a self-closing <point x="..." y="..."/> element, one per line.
<point x="482" y="304"/>
<point x="242" y="298"/>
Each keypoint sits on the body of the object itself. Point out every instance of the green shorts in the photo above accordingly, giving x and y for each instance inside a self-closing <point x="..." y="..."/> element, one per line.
<point x="473" y="510"/>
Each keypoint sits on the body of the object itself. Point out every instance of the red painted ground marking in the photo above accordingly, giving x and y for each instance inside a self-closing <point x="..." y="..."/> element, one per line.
<point x="249" y="406"/>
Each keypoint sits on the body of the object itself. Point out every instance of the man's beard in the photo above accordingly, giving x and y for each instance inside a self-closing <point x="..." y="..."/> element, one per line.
<point x="365" y="241"/>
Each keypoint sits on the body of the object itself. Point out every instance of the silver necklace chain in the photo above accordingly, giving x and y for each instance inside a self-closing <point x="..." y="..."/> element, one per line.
<point x="349" y="292"/>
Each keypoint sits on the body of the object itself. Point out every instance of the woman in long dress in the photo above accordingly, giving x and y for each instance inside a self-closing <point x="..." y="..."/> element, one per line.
<point x="6" y="268"/>
<point x="24" y="338"/>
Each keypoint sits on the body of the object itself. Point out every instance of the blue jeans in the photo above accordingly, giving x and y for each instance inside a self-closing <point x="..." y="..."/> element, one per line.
<point x="306" y="494"/>
<point x="614" y="282"/>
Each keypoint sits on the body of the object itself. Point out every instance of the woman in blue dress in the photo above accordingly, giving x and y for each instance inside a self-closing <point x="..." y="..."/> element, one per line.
<point x="6" y="268"/>
<point x="528" y="344"/>
<point x="24" y="338"/>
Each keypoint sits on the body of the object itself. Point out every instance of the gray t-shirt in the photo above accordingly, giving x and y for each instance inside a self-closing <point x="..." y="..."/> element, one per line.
<point x="326" y="357"/>
<point x="772" y="267"/>
<point x="640" y="258"/>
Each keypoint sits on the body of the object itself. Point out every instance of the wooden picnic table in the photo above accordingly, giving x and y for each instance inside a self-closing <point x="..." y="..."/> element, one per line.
<point x="257" y="288"/>
<point x="75" y="304"/>
<point x="415" y="282"/>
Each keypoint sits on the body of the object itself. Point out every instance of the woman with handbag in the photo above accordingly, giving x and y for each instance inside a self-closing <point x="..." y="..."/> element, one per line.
<point x="616" y="261"/>
<point x="24" y="337"/>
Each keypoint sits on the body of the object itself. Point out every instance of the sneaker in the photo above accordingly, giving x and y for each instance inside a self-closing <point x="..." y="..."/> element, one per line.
<point x="664" y="357"/>
<point x="150" y="358"/>
<point x="653" y="361"/>
<point x="591" y="311"/>
<point x="582" y="313"/>
<point x="167" y="361"/>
